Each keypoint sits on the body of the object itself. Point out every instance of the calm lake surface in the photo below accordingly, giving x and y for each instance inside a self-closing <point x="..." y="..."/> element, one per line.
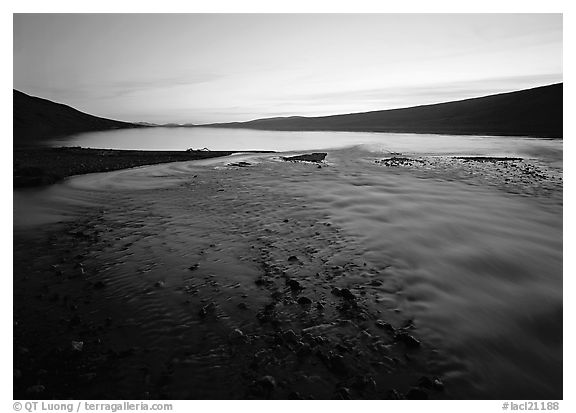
<point x="478" y="257"/>
<point x="218" y="139"/>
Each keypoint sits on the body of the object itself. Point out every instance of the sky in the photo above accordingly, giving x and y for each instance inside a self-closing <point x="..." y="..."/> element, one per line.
<point x="205" y="68"/>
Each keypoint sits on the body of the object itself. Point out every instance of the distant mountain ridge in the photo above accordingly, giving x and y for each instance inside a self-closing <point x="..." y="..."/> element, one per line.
<point x="531" y="112"/>
<point x="37" y="120"/>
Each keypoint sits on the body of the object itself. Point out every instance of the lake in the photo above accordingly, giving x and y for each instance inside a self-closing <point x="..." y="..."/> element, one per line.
<point x="221" y="139"/>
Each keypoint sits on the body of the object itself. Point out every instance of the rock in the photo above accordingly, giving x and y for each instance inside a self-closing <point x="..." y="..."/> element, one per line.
<point x="237" y="335"/>
<point x="38" y="388"/>
<point x="159" y="284"/>
<point x="260" y="281"/>
<point x="208" y="309"/>
<point x="416" y="394"/>
<point x="375" y="283"/>
<point x="385" y="326"/>
<point x="365" y="335"/>
<point x="290" y="336"/>
<point x="364" y="383"/>
<point x="193" y="267"/>
<point x="342" y="348"/>
<point x="266" y="382"/>
<point x="407" y="339"/>
<point x="304" y="350"/>
<point x="343" y="393"/>
<point x="347" y="294"/>
<point x="242" y="306"/>
<point x="294" y="285"/>
<point x="304" y="301"/>
<point x="337" y="364"/>
<point x="77" y="345"/>
<point x="431" y="383"/>
<point x="393" y="395"/>
<point x="293" y="258"/>
<point x="336" y="291"/>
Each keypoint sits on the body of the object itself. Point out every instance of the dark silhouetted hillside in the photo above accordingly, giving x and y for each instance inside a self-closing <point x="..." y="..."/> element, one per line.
<point x="531" y="112"/>
<point x="37" y="120"/>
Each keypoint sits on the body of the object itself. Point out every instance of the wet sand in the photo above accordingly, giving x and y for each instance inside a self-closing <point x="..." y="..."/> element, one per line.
<point x="251" y="277"/>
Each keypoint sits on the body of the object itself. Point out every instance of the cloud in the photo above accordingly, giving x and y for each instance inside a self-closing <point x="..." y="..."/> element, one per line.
<point x="441" y="91"/>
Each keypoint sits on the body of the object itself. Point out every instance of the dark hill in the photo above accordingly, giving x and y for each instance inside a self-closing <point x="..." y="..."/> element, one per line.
<point x="531" y="112"/>
<point x="37" y="120"/>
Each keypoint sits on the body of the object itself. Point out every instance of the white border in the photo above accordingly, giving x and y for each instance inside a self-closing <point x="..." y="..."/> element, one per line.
<point x="306" y="6"/>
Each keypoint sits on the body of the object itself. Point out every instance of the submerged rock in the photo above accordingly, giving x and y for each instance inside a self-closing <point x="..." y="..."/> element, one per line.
<point x="407" y="339"/>
<point x="385" y="326"/>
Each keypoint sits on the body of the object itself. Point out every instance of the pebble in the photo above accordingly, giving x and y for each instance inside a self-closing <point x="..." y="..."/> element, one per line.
<point x="393" y="395"/>
<point x="432" y="384"/>
<point x="208" y="309"/>
<point x="294" y="285"/>
<point x="337" y="364"/>
<point x="237" y="335"/>
<point x="343" y="393"/>
<point x="290" y="336"/>
<point x="347" y="294"/>
<point x="304" y="350"/>
<point x="304" y="301"/>
<point x="77" y="345"/>
<point x="267" y="382"/>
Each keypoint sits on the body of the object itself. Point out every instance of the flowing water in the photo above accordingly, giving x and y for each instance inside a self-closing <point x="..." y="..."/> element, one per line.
<point x="475" y="247"/>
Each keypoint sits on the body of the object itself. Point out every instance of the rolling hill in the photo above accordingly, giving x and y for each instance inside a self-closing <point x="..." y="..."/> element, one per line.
<point x="530" y="112"/>
<point x="37" y="120"/>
